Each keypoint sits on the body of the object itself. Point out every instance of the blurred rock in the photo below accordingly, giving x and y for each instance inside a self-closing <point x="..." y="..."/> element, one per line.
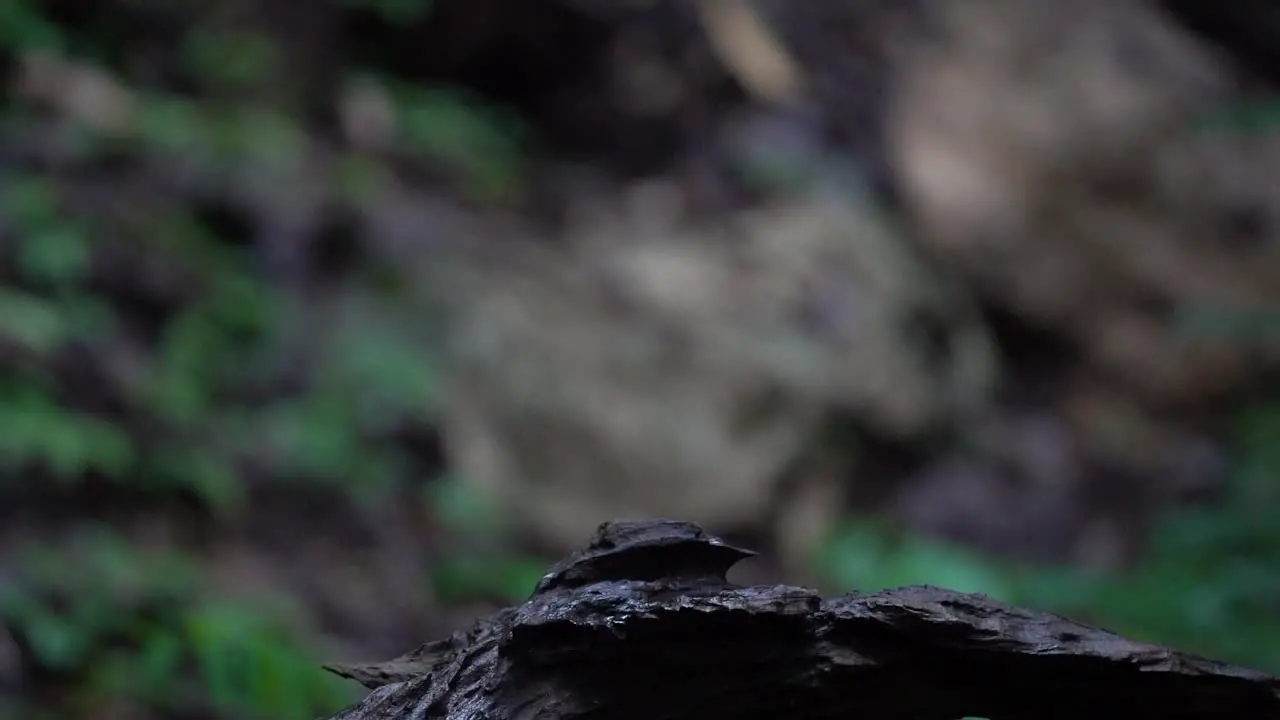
<point x="1062" y="159"/>
<point x="645" y="364"/>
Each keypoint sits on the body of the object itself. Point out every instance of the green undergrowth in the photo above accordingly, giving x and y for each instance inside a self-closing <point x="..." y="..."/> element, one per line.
<point x="1206" y="585"/>
<point x="158" y="365"/>
<point x="142" y="629"/>
<point x="198" y="412"/>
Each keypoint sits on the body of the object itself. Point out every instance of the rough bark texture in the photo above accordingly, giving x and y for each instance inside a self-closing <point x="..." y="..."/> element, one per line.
<point x="643" y="624"/>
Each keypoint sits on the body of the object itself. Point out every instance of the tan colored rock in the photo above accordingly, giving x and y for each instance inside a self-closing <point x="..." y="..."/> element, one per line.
<point x="1057" y="154"/>
<point x="651" y="367"/>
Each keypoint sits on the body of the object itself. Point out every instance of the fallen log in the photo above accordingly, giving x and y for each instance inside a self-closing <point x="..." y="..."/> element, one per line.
<point x="643" y="624"/>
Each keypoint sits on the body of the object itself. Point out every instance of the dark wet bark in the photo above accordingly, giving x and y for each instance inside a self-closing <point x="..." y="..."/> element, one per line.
<point x="610" y="634"/>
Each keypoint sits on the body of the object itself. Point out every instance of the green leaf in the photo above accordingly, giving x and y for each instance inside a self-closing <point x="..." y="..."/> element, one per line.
<point x="867" y="556"/>
<point x="23" y="28"/>
<point x="459" y="506"/>
<point x="211" y="478"/>
<point x="174" y="125"/>
<point x="57" y="643"/>
<point x="238" y="59"/>
<point x="215" y="481"/>
<point x="30" y="321"/>
<point x="56" y="254"/>
<point x="483" y="144"/>
<point x="360" y="178"/>
<point x="462" y="579"/>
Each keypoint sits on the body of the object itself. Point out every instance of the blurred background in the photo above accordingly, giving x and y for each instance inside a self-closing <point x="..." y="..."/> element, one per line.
<point x="326" y="327"/>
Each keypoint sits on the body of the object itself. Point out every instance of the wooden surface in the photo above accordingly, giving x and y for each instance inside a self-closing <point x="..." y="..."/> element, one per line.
<point x="598" y="641"/>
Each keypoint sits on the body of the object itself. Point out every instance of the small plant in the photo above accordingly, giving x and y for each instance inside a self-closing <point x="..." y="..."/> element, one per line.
<point x="117" y="622"/>
<point x="1208" y="583"/>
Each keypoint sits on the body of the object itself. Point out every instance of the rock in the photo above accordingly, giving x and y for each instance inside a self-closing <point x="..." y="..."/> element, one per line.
<point x="1061" y="159"/>
<point x="648" y="365"/>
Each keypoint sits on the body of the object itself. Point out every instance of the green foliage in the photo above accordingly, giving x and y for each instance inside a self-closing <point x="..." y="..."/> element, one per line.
<point x="481" y="144"/>
<point x="1207" y="585"/>
<point x="870" y="555"/>
<point x="252" y="664"/>
<point x="1210" y="582"/>
<point x="497" y="575"/>
<point x="141" y="625"/>
<point x="236" y="60"/>
<point x="23" y="27"/>
<point x="483" y="568"/>
<point x="217" y="137"/>
<point x="30" y="322"/>
<point x="130" y="623"/>
<point x="36" y="432"/>
<point x="1246" y="118"/>
<point x="56" y="251"/>
<point x="207" y="394"/>
<point x="222" y="342"/>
